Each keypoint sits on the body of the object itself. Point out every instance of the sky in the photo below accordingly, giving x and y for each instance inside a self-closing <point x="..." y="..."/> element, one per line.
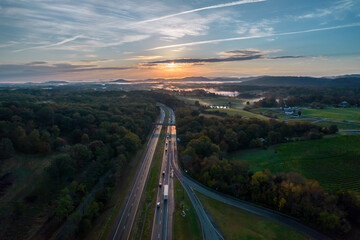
<point x="92" y="40"/>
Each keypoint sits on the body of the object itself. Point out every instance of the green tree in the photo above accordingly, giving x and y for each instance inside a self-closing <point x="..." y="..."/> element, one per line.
<point x="132" y="142"/>
<point x="65" y="205"/>
<point x="6" y="148"/>
<point x="61" y="168"/>
<point x="81" y="155"/>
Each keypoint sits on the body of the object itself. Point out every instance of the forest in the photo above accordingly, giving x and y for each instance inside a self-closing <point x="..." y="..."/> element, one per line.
<point x="88" y="138"/>
<point x="203" y="147"/>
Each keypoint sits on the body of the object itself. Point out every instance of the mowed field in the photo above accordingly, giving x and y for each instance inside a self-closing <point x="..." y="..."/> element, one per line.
<point x="243" y="113"/>
<point x="350" y="114"/>
<point x="334" y="161"/>
<point x="237" y="224"/>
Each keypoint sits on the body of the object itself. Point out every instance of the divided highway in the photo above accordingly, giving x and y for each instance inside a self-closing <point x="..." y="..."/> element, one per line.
<point x="126" y="216"/>
<point x="162" y="224"/>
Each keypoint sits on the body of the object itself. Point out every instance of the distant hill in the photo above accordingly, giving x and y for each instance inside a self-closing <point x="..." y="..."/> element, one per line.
<point x="55" y="82"/>
<point x="304" y="82"/>
<point x="120" y="81"/>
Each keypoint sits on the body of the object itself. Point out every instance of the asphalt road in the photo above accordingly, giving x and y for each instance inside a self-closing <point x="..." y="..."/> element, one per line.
<point x="161" y="217"/>
<point x="126" y="215"/>
<point x="208" y="229"/>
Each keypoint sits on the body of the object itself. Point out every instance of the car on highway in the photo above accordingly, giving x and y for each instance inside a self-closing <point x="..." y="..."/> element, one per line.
<point x="158" y="204"/>
<point x="160" y="184"/>
<point x="163" y="173"/>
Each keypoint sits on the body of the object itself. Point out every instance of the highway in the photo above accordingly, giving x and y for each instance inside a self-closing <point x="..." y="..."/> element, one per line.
<point x="209" y="231"/>
<point x="126" y="215"/>
<point x="162" y="224"/>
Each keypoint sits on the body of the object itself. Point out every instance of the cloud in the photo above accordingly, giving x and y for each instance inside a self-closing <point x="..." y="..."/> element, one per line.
<point x="201" y="9"/>
<point x="51" y="45"/>
<point x="338" y="8"/>
<point x="96" y="60"/>
<point x="263" y="27"/>
<point x="229" y="56"/>
<point x="144" y="57"/>
<point x="44" y="68"/>
<point x="254" y="37"/>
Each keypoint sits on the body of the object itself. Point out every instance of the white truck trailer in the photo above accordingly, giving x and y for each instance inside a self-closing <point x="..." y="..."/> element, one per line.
<point x="166" y="192"/>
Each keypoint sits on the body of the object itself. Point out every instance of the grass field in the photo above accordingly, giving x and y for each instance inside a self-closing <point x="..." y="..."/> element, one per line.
<point x="27" y="171"/>
<point x="186" y="227"/>
<point x="334" y="162"/>
<point x="219" y="100"/>
<point x="238" y="224"/>
<point x="350" y="114"/>
<point x="243" y="113"/>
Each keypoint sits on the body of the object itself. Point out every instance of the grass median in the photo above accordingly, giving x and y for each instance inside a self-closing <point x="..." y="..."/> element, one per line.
<point x="185" y="224"/>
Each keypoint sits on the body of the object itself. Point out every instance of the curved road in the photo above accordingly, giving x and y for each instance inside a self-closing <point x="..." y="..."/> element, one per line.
<point x="208" y="229"/>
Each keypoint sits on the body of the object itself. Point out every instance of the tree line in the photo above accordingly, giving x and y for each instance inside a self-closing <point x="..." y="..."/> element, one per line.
<point x="205" y="142"/>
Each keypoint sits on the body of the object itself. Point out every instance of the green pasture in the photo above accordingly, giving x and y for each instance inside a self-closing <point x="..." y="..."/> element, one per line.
<point x="334" y="162"/>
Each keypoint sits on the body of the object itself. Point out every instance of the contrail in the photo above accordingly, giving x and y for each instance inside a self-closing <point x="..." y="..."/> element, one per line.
<point x="51" y="45"/>
<point x="253" y="37"/>
<point x="201" y="9"/>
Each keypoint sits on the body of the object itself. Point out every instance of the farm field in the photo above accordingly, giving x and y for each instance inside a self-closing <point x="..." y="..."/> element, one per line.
<point x="243" y="113"/>
<point x="235" y="223"/>
<point x="350" y="114"/>
<point x="219" y="100"/>
<point x="334" y="162"/>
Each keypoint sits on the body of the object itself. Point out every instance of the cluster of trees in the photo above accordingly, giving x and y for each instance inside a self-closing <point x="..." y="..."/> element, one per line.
<point x="234" y="133"/>
<point x="203" y="147"/>
<point x="86" y="134"/>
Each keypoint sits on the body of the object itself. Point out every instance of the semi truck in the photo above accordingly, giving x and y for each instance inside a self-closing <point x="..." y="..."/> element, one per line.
<point x="166" y="192"/>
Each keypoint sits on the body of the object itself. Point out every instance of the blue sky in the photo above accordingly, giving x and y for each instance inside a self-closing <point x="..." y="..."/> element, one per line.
<point x="104" y="40"/>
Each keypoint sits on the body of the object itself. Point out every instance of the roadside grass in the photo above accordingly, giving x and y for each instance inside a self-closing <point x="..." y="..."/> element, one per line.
<point x="240" y="112"/>
<point x="218" y="100"/>
<point x="333" y="161"/>
<point x="184" y="227"/>
<point x="144" y="219"/>
<point x="350" y="114"/>
<point x="235" y="223"/>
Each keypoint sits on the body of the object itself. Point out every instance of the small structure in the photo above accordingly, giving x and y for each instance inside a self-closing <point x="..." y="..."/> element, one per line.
<point x="344" y="104"/>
